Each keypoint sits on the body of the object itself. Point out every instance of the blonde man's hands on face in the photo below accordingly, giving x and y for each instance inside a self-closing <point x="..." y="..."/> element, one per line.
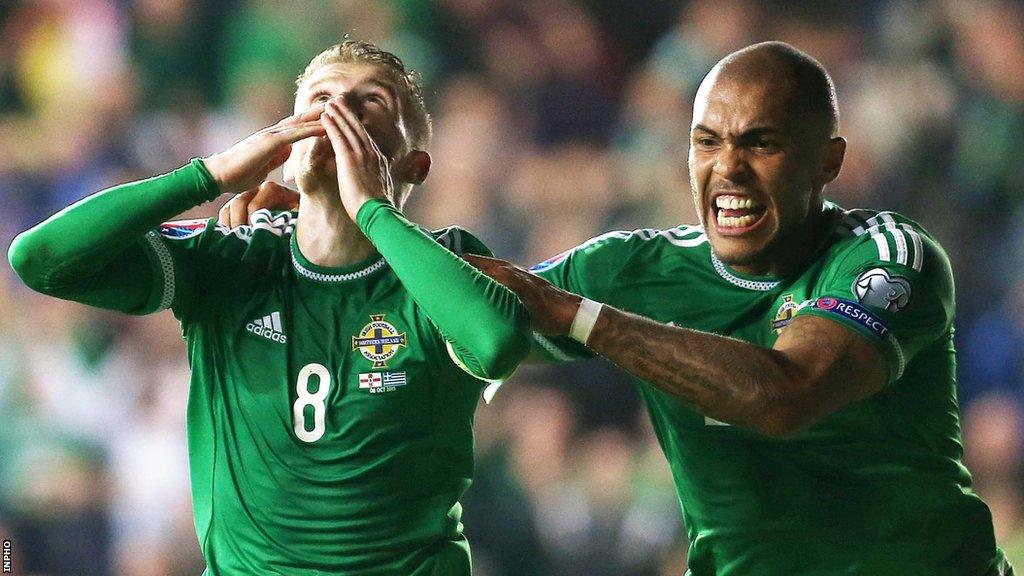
<point x="245" y="165"/>
<point x="269" y="195"/>
<point x="363" y="171"/>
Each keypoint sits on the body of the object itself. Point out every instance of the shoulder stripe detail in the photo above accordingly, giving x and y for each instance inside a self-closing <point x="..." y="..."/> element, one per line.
<point x="883" y="225"/>
<point x="883" y="246"/>
<point x="450" y="238"/>
<point x="674" y="239"/>
<point x="445" y="240"/>
<point x="918" y="248"/>
<point x="901" y="240"/>
<point x="615" y="234"/>
<point x="871" y="222"/>
<point x="761" y="286"/>
<point x="166" y="266"/>
<point x="277" y="225"/>
<point x="320" y="277"/>
<point x="676" y="236"/>
<point x="457" y="241"/>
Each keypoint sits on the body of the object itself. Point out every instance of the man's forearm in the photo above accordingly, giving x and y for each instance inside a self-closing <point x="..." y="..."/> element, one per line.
<point x="727" y="379"/>
<point x="63" y="255"/>
<point x="484" y="320"/>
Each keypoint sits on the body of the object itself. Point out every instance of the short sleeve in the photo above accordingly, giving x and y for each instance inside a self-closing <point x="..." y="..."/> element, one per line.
<point x="460" y="241"/>
<point x="893" y="284"/>
<point x="587" y="270"/>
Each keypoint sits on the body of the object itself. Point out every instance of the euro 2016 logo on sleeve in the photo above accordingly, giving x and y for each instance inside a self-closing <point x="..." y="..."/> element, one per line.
<point x="876" y="288"/>
<point x="378" y="341"/>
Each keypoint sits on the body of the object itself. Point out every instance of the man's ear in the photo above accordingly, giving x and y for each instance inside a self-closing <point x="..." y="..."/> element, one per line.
<point x="413" y="167"/>
<point x="832" y="162"/>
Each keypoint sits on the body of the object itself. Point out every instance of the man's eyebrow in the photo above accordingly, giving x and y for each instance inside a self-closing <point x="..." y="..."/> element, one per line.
<point x="748" y="133"/>
<point x="385" y="86"/>
<point x="390" y="89"/>
<point x="760" y="131"/>
<point x="704" y="128"/>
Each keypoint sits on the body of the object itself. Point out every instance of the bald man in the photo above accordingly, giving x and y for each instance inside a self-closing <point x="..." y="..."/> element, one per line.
<point x="796" y="358"/>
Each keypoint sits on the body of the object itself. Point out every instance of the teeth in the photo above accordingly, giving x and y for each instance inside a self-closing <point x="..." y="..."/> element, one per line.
<point x="732" y="202"/>
<point x="734" y="222"/>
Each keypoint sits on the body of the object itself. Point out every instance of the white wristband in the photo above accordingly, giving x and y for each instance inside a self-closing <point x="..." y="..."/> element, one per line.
<point x="583" y="323"/>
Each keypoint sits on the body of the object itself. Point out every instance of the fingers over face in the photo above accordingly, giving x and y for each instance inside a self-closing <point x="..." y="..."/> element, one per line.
<point x="296" y="132"/>
<point x="337" y="113"/>
<point x="233" y="213"/>
<point x="274" y="196"/>
<point x="311" y="113"/>
<point x="358" y="130"/>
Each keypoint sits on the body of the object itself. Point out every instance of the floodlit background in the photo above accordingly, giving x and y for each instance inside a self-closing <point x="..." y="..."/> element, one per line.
<point x="555" y="120"/>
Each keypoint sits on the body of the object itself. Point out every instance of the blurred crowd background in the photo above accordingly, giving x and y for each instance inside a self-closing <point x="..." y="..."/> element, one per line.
<point x="555" y="120"/>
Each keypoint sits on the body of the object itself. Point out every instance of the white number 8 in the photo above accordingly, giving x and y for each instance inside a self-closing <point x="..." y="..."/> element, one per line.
<point x="316" y="400"/>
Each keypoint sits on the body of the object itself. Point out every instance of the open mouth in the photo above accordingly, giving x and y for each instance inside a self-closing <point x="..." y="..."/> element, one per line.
<point x="736" y="214"/>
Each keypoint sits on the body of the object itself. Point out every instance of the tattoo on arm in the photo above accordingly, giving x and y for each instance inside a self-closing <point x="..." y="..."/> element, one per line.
<point x="721" y="377"/>
<point x="728" y="379"/>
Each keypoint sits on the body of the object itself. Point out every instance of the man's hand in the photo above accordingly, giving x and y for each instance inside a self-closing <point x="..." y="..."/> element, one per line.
<point x="363" y="171"/>
<point x="551" y="309"/>
<point x="247" y="164"/>
<point x="269" y="195"/>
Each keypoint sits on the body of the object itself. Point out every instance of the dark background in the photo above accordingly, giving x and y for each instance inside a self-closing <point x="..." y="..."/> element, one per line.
<point x="555" y="120"/>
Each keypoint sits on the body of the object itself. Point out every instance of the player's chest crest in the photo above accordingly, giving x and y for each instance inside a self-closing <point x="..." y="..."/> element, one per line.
<point x="786" y="309"/>
<point x="380" y="342"/>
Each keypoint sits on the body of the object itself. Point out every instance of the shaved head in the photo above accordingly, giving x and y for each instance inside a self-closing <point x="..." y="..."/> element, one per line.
<point x="763" y="145"/>
<point x="809" y="91"/>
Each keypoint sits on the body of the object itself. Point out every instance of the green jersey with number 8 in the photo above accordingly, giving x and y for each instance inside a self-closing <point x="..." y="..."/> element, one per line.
<point x="878" y="487"/>
<point x="330" y="419"/>
<point x="329" y="427"/>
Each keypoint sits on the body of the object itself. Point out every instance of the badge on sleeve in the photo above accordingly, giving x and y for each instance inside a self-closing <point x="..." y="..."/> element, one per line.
<point x="182" y="229"/>
<point x="876" y="288"/>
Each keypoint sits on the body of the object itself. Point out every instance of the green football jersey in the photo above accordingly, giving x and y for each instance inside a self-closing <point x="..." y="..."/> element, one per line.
<point x="876" y="488"/>
<point x="330" y="427"/>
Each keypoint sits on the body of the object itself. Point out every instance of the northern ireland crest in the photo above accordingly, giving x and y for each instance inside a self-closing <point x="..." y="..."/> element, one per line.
<point x="378" y="341"/>
<point x="787" y="311"/>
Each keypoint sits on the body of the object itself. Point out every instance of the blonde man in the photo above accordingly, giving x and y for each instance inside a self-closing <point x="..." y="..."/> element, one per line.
<point x="334" y="378"/>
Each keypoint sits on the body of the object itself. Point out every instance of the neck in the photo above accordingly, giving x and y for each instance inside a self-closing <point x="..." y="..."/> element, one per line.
<point x="326" y="235"/>
<point x="792" y="252"/>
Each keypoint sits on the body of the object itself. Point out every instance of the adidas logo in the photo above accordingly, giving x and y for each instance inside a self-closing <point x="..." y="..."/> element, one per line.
<point x="269" y="327"/>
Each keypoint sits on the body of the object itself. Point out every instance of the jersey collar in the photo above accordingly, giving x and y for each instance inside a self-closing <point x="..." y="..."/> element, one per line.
<point x="328" y="275"/>
<point x="723" y="271"/>
<point x="828" y="207"/>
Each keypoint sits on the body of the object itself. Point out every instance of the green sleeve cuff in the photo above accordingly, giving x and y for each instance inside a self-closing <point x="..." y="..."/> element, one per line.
<point x="368" y="211"/>
<point x="205" y="186"/>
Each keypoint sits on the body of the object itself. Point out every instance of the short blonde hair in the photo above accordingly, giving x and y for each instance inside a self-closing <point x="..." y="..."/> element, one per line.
<point x="414" y="111"/>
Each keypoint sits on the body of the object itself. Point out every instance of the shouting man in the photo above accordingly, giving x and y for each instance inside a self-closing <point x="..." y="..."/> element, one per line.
<point x="796" y="358"/>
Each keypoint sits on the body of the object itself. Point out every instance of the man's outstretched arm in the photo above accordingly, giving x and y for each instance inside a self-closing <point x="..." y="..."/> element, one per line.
<point x="816" y="367"/>
<point x="91" y="252"/>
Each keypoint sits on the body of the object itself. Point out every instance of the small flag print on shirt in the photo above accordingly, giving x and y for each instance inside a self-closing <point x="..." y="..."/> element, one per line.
<point x="381" y="381"/>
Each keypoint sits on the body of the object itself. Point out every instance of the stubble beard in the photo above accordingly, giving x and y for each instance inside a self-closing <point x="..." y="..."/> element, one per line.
<point x="317" y="171"/>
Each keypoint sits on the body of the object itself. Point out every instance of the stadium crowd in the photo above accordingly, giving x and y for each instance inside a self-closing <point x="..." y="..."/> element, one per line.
<point x="555" y="120"/>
